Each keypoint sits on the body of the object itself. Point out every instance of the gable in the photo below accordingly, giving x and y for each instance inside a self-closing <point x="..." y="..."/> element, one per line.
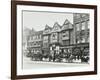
<point x="56" y="28"/>
<point x="47" y="30"/>
<point x="67" y="25"/>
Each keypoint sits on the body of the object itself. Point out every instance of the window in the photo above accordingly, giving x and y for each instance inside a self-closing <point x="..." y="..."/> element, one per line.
<point x="45" y="45"/>
<point x="77" y="15"/>
<point x="57" y="48"/>
<point x="39" y="36"/>
<point x="77" y="27"/>
<point x="65" y="42"/>
<point x="28" y="44"/>
<point x="65" y="35"/>
<point x="37" y="43"/>
<point x="83" y="40"/>
<point x="77" y="40"/>
<point x="36" y="36"/>
<point x="56" y="28"/>
<point x="88" y="24"/>
<point x="33" y="37"/>
<point x="34" y="43"/>
<point x="30" y="37"/>
<point x="88" y="39"/>
<point x="83" y="25"/>
<point x="45" y="39"/>
<point x="83" y="15"/>
<point x="31" y="44"/>
<point x="65" y="50"/>
<point x="54" y="36"/>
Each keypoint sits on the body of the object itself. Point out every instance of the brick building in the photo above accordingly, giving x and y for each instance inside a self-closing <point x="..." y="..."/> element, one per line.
<point x="81" y="31"/>
<point x="35" y="42"/>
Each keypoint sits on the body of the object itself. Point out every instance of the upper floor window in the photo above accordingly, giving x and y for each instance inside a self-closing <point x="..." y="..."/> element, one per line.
<point x="54" y="36"/>
<point x="34" y="37"/>
<point x="77" y="15"/>
<point x="88" y="24"/>
<point x="83" y="15"/>
<point x="39" y="36"/>
<point x="31" y="38"/>
<point x="45" y="45"/>
<point x="65" y="42"/>
<point x="45" y="39"/>
<point x="65" y="35"/>
<point x="83" y="25"/>
<point x="78" y="41"/>
<point x="77" y="27"/>
<point x="88" y="39"/>
<point x="83" y="40"/>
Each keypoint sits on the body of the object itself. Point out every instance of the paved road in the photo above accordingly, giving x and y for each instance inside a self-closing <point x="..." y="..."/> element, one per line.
<point x="28" y="64"/>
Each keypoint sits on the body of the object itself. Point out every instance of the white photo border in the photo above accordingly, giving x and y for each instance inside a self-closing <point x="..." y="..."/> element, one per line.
<point x="21" y="71"/>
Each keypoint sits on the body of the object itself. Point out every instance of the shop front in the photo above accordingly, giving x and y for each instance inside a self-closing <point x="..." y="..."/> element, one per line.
<point x="81" y="53"/>
<point x="36" y="53"/>
<point x="45" y="54"/>
<point x="55" y="51"/>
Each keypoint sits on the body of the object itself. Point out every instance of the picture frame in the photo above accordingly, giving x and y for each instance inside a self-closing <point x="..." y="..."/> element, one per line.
<point x="20" y="17"/>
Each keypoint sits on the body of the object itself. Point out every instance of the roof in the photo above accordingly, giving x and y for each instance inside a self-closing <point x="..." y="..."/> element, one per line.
<point x="56" y="27"/>
<point x="67" y="25"/>
<point x="37" y="32"/>
<point x="47" y="29"/>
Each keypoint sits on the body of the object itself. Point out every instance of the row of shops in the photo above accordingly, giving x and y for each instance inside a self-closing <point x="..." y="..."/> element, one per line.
<point x="61" y="43"/>
<point x="58" y="53"/>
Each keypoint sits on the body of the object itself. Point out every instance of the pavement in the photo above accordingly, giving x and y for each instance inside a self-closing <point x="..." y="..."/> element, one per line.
<point x="29" y="64"/>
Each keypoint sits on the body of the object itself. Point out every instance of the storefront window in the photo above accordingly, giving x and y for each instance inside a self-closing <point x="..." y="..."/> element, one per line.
<point x="57" y="47"/>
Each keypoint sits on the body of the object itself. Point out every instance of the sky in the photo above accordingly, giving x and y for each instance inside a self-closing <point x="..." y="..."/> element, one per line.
<point x="37" y="20"/>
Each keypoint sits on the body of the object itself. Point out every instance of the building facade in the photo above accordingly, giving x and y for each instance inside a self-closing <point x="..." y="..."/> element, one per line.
<point x="46" y="41"/>
<point x="26" y="34"/>
<point x="81" y="31"/>
<point x="68" y="42"/>
<point x="35" y="44"/>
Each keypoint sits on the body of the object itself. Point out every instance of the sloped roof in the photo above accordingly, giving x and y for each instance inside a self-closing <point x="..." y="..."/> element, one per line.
<point x="38" y="32"/>
<point x="67" y="25"/>
<point x="26" y="31"/>
<point x="66" y="21"/>
<point x="56" y="27"/>
<point x="47" y="29"/>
